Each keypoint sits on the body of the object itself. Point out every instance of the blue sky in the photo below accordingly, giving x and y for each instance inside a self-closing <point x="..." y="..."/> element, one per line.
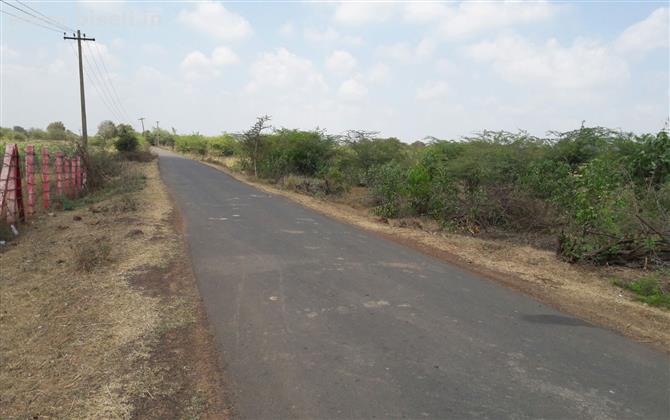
<point x="405" y="69"/>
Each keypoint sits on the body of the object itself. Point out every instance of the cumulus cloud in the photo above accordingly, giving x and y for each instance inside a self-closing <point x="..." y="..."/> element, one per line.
<point x="363" y="13"/>
<point x="470" y="18"/>
<point x="283" y="70"/>
<point x="352" y="89"/>
<point x="646" y="35"/>
<point x="583" y="65"/>
<point x="197" y="65"/>
<point x="330" y="35"/>
<point x="420" y="12"/>
<point x="287" y="30"/>
<point x="340" y="62"/>
<point x="213" y="19"/>
<point x="379" y="73"/>
<point x="432" y="90"/>
<point x="404" y="52"/>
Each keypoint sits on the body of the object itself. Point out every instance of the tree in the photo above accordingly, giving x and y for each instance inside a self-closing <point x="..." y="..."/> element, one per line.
<point x="127" y="138"/>
<point x="19" y="129"/>
<point x="37" y="133"/>
<point x="107" y="131"/>
<point x="252" y="140"/>
<point x="56" y="130"/>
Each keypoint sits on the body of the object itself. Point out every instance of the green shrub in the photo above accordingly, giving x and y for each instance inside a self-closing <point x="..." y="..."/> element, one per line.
<point x="387" y="190"/>
<point x="127" y="140"/>
<point x="194" y="143"/>
<point x="224" y="145"/>
<point x="649" y="289"/>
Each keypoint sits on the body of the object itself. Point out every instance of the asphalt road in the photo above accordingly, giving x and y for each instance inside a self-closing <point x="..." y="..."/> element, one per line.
<point x="317" y="319"/>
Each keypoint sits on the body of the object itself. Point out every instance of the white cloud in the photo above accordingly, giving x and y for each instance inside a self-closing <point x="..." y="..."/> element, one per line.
<point x="215" y="20"/>
<point x="223" y="56"/>
<point x="283" y="70"/>
<point x="649" y="34"/>
<point x="362" y="13"/>
<point x="287" y="30"/>
<point x="474" y="17"/>
<point x="379" y="74"/>
<point x="151" y="48"/>
<point x="432" y="90"/>
<point x="340" y="62"/>
<point x="420" y="12"/>
<point x="197" y="65"/>
<point x="404" y="52"/>
<point x="330" y="35"/>
<point x="7" y="52"/>
<point x="425" y="48"/>
<point x="583" y="65"/>
<point x="352" y="89"/>
<point x="400" y="51"/>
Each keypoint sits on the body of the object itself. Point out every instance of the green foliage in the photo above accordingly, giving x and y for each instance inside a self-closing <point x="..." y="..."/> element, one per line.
<point x="649" y="289"/>
<point x="37" y="134"/>
<point x="388" y="181"/>
<point x="194" y="143"/>
<point x="126" y="140"/>
<point x="604" y="193"/>
<point x="160" y="137"/>
<point x="286" y="152"/>
<point x="253" y="143"/>
<point x="224" y="145"/>
<point x="56" y="131"/>
<point x="106" y="131"/>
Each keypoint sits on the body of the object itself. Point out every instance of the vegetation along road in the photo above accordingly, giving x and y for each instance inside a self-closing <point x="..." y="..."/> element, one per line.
<point x="317" y="319"/>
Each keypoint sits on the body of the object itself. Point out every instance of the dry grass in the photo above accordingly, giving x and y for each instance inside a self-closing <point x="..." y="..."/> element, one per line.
<point x="586" y="292"/>
<point x="77" y="337"/>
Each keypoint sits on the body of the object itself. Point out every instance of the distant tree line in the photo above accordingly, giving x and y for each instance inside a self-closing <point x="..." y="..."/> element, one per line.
<point x="54" y="131"/>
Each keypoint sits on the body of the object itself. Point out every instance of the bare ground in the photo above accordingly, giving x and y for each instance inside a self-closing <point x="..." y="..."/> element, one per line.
<point x="584" y="291"/>
<point x="100" y="315"/>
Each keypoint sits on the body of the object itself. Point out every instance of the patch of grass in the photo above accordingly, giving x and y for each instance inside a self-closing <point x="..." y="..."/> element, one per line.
<point x="93" y="254"/>
<point x="196" y="407"/>
<point x="649" y="289"/>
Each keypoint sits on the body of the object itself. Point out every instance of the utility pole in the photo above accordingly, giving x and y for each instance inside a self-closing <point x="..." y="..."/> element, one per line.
<point x="158" y="133"/>
<point x="84" y="131"/>
<point x="142" y="120"/>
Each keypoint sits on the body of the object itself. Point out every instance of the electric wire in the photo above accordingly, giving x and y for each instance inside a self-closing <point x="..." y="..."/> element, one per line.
<point x="31" y="22"/>
<point x="95" y="85"/>
<point x="58" y="27"/>
<point x="55" y="21"/>
<point x="109" y="78"/>
<point x="103" y="85"/>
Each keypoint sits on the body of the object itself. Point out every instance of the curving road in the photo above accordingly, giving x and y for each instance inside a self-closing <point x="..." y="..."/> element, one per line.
<point x="317" y="319"/>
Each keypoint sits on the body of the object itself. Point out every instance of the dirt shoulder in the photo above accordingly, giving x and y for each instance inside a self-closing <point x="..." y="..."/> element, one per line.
<point x="585" y="292"/>
<point x="100" y="315"/>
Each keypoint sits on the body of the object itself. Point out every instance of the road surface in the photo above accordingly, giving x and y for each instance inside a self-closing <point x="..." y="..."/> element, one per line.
<point x="317" y="319"/>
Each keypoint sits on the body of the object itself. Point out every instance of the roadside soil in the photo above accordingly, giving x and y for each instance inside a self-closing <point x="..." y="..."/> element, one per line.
<point x="100" y="316"/>
<point x="587" y="292"/>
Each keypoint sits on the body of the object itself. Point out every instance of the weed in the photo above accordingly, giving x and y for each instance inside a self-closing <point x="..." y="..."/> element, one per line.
<point x="649" y="289"/>
<point x="92" y="254"/>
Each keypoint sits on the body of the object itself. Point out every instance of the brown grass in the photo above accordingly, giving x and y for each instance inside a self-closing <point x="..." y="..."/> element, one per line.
<point x="78" y="339"/>
<point x="586" y="292"/>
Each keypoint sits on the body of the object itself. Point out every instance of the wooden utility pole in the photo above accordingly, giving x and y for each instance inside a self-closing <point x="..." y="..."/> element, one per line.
<point x="142" y="121"/>
<point x="84" y="131"/>
<point x="158" y="133"/>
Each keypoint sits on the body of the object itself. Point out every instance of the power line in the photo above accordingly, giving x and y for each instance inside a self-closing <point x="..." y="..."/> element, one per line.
<point x="98" y="74"/>
<point x="59" y="27"/>
<point x="109" y="78"/>
<point x="67" y="28"/>
<point x="31" y="22"/>
<point x="95" y="84"/>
